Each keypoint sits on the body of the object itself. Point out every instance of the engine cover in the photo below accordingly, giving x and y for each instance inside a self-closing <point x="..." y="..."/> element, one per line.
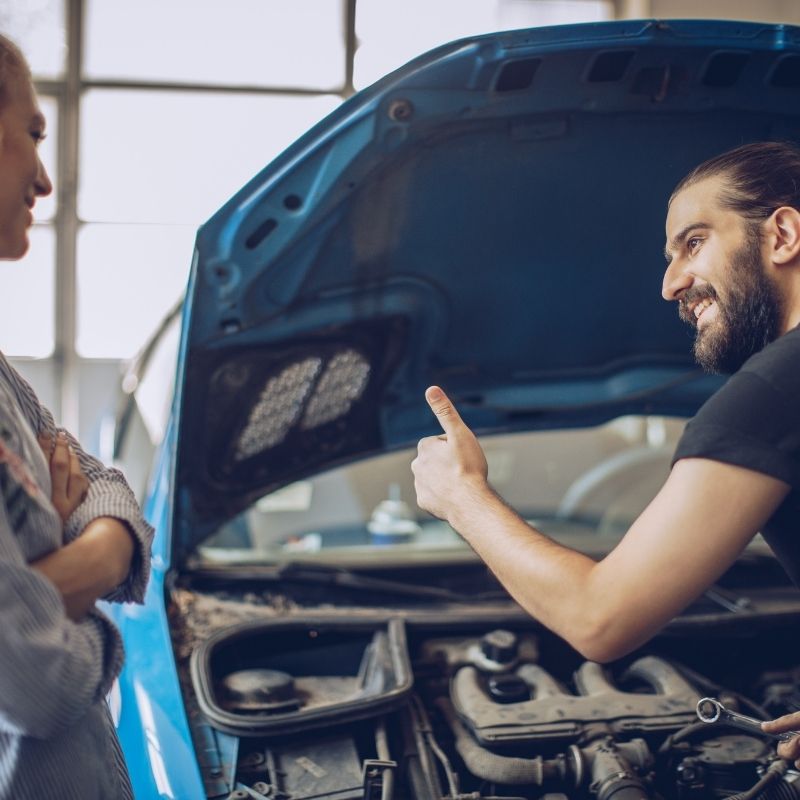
<point x="553" y="713"/>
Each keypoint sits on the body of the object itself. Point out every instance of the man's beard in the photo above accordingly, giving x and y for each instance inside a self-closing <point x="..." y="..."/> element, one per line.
<point x="748" y="317"/>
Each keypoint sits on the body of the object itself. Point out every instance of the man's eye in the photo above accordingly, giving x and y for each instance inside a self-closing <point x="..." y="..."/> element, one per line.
<point x="693" y="243"/>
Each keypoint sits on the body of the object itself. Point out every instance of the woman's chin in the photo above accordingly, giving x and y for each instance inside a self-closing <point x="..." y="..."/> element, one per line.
<point x="14" y="249"/>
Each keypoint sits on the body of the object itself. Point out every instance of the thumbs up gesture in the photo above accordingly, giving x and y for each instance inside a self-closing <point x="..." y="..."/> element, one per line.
<point x="450" y="467"/>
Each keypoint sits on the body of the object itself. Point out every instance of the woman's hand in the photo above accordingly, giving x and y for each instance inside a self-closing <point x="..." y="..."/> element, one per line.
<point x="789" y="723"/>
<point x="89" y="566"/>
<point x="69" y="484"/>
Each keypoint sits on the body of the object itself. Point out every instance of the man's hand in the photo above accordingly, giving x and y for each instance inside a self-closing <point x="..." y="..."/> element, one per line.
<point x="448" y="466"/>
<point x="69" y="484"/>
<point x="790" y="722"/>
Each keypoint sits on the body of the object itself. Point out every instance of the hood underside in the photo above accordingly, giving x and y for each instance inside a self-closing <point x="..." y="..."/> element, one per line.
<point x="489" y="218"/>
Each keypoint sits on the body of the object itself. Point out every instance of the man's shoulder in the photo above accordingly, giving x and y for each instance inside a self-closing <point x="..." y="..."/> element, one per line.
<point x="778" y="363"/>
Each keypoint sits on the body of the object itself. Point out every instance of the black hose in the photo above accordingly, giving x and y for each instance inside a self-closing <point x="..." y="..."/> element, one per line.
<point x="497" y="769"/>
<point x="424" y="727"/>
<point x="688" y="732"/>
<point x="776" y="771"/>
<point x="382" y="750"/>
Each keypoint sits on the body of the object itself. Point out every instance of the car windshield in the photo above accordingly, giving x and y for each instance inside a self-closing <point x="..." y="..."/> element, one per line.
<point x="581" y="486"/>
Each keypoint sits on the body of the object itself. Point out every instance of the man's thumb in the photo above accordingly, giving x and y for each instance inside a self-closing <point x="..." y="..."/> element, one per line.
<point x="445" y="411"/>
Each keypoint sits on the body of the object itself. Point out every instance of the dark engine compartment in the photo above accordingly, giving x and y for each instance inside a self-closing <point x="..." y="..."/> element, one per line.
<point x="475" y="704"/>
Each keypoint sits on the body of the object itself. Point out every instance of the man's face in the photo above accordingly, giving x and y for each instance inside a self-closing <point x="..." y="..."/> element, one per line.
<point x="716" y="273"/>
<point x="24" y="177"/>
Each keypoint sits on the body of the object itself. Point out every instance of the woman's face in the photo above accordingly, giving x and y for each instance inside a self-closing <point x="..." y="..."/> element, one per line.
<point x="23" y="177"/>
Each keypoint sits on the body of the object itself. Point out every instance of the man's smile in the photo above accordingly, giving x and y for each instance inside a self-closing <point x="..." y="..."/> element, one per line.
<point x="704" y="311"/>
<point x="698" y="306"/>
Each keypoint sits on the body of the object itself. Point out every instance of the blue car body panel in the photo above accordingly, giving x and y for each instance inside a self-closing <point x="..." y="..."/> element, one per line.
<point x="402" y="211"/>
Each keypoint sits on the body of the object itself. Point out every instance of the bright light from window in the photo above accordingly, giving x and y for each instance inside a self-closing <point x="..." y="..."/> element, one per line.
<point x="298" y="44"/>
<point x="46" y="206"/>
<point x="37" y="26"/>
<point x="129" y="276"/>
<point x="390" y="34"/>
<point x="27" y="324"/>
<point x="176" y="157"/>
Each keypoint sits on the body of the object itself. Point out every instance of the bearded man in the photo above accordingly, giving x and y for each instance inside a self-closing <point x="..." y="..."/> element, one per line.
<point x="733" y="267"/>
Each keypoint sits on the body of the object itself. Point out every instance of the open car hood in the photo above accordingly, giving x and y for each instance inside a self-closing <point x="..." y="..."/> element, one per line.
<point x="489" y="218"/>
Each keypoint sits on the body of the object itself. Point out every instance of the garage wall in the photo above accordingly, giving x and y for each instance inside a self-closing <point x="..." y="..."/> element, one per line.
<point x="762" y="11"/>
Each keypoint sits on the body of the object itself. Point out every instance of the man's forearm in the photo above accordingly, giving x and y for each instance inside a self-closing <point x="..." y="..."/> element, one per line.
<point x="90" y="566"/>
<point x="551" y="582"/>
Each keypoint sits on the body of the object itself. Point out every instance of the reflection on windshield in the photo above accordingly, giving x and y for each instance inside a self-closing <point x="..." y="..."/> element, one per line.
<point x="569" y="483"/>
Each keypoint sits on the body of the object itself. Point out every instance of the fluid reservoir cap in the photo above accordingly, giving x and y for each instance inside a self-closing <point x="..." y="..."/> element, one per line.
<point x="266" y="690"/>
<point x="508" y="688"/>
<point x="500" y="646"/>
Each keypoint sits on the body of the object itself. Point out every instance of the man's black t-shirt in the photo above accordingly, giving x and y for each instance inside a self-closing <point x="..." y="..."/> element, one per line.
<point x="753" y="421"/>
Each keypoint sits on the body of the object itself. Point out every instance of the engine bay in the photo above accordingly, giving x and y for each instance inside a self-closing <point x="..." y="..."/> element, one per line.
<point x="363" y="703"/>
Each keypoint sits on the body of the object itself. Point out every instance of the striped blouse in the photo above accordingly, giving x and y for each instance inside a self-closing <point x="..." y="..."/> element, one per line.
<point x="57" y="739"/>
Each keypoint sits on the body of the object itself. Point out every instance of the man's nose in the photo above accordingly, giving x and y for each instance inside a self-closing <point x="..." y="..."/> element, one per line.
<point x="676" y="281"/>
<point x="43" y="183"/>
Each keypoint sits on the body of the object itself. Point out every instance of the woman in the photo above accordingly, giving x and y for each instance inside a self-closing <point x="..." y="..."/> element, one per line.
<point x="70" y="533"/>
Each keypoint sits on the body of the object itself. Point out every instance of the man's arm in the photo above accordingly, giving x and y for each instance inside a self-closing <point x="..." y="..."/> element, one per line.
<point x="692" y="531"/>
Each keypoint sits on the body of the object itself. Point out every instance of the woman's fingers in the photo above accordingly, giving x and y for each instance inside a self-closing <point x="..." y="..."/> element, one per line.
<point x="46" y="443"/>
<point x="78" y="482"/>
<point x="59" y="467"/>
<point x="68" y="481"/>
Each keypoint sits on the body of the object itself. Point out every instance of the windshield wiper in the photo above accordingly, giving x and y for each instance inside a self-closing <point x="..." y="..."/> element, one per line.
<point x="340" y="577"/>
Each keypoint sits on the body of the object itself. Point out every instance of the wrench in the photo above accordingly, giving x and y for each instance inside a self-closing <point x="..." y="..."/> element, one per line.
<point x="711" y="711"/>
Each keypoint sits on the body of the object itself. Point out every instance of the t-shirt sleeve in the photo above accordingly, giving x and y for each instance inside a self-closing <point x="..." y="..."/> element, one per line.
<point x="751" y="422"/>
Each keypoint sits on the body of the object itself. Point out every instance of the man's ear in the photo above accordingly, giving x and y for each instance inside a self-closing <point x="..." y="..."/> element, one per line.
<point x="782" y="231"/>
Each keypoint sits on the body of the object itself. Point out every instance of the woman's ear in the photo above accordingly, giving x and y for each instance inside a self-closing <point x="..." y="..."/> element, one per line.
<point x="782" y="231"/>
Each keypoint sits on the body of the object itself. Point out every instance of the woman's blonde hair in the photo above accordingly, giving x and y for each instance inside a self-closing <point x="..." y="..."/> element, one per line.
<point x="12" y="66"/>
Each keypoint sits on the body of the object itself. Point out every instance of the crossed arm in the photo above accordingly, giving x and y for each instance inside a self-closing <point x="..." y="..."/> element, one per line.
<point x="97" y="561"/>
<point x="692" y="531"/>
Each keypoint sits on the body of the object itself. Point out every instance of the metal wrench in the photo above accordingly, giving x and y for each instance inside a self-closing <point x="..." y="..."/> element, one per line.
<point x="711" y="711"/>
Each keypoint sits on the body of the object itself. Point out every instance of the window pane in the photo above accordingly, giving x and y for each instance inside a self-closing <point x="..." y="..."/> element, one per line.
<point x="38" y="27"/>
<point x="27" y="324"/>
<point x="46" y="206"/>
<point x="390" y="34"/>
<point x="246" y="42"/>
<point x="129" y="276"/>
<point x="150" y="156"/>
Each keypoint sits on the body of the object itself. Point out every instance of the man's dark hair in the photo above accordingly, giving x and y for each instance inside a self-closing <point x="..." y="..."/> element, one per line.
<point x="760" y="177"/>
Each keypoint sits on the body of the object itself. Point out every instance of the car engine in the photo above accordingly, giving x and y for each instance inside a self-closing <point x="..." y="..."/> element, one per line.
<point x="285" y="704"/>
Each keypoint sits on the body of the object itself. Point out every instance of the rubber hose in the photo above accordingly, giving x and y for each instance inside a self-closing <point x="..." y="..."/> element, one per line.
<point x="776" y="771"/>
<point x="497" y="769"/>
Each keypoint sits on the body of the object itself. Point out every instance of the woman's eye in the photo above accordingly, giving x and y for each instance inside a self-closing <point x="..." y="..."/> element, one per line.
<point x="38" y="137"/>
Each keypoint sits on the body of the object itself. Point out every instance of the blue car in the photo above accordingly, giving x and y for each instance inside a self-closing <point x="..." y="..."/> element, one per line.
<point x="489" y="218"/>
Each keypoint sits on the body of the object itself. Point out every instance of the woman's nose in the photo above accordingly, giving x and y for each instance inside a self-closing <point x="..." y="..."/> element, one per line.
<point x="43" y="183"/>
